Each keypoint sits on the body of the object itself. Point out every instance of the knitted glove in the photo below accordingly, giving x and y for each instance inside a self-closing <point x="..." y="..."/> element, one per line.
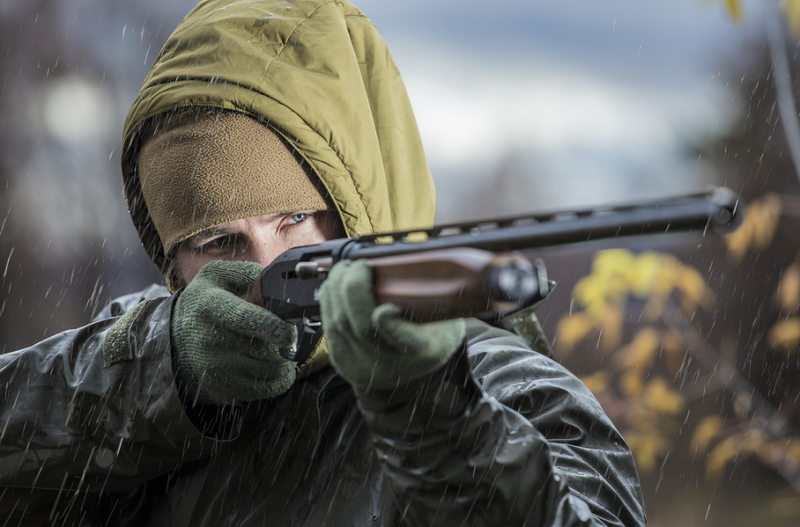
<point x="226" y="349"/>
<point x="374" y="348"/>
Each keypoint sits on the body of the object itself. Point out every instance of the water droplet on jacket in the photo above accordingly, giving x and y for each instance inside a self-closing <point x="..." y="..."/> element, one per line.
<point x="104" y="458"/>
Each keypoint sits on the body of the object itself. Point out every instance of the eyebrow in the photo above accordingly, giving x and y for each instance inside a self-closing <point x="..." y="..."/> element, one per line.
<point x="224" y="230"/>
<point x="208" y="233"/>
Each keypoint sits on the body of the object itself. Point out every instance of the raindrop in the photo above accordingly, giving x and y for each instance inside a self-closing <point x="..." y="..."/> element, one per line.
<point x="58" y="496"/>
<point x="5" y="271"/>
<point x="3" y="225"/>
<point x="104" y="458"/>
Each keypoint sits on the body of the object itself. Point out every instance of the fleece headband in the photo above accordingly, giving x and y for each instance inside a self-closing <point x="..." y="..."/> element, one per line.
<point x="201" y="169"/>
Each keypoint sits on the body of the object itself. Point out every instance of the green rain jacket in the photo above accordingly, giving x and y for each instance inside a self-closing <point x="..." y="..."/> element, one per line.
<point x="502" y="435"/>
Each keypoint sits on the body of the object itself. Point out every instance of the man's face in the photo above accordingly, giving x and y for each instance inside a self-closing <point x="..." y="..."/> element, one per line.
<point x="258" y="239"/>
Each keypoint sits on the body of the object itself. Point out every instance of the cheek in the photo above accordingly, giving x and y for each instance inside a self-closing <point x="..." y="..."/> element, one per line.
<point x="297" y="239"/>
<point x="311" y="233"/>
<point x="189" y="264"/>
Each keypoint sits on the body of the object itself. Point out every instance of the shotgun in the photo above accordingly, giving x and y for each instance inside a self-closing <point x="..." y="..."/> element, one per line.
<point x="471" y="269"/>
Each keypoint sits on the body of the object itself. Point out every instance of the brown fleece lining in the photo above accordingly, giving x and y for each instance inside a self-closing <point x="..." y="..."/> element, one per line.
<point x="214" y="167"/>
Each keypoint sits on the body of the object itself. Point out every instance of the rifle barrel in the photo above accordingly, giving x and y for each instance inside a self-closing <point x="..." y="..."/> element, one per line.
<point x="717" y="209"/>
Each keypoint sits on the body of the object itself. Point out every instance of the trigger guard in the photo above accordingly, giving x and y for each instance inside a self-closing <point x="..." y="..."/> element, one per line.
<point x="307" y="339"/>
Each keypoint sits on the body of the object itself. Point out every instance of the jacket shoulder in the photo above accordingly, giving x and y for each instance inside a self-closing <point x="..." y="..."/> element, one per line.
<point x="123" y="304"/>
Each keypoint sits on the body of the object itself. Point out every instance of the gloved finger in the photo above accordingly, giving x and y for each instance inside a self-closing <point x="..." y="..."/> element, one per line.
<point x="398" y="334"/>
<point x="252" y="321"/>
<point x="235" y="277"/>
<point x="347" y="298"/>
<point x="427" y="341"/>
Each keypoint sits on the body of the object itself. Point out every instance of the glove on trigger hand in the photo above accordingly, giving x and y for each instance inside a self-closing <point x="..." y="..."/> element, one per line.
<point x="375" y="347"/>
<point x="225" y="348"/>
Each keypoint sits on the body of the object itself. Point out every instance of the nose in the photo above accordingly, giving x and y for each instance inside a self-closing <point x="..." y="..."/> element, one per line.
<point x="263" y="251"/>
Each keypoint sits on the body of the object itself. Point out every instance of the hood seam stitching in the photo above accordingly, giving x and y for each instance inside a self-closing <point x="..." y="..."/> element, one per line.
<point x="338" y="154"/>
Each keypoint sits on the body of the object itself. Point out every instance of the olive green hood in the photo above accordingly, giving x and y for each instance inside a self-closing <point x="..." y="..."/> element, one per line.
<point x="319" y="74"/>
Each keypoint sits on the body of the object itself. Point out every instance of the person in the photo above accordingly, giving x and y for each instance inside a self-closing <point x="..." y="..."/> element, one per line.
<point x="263" y="126"/>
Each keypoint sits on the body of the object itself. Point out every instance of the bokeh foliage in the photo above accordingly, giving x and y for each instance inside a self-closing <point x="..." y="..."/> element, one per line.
<point x="641" y="311"/>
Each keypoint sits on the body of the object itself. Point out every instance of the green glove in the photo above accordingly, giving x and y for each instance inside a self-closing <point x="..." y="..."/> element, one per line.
<point x="374" y="348"/>
<point x="226" y="349"/>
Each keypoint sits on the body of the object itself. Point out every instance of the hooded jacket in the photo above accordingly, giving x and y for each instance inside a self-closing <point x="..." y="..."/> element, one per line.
<point x="319" y="74"/>
<point x="502" y="435"/>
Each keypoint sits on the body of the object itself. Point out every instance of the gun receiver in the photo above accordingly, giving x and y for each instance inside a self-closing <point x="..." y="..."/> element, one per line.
<point x="471" y="269"/>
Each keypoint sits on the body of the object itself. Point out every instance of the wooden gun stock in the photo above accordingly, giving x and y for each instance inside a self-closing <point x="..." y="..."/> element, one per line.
<point x="455" y="283"/>
<point x="451" y="283"/>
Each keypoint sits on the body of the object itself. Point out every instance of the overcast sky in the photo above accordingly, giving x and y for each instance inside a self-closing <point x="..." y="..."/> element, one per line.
<point x="586" y="101"/>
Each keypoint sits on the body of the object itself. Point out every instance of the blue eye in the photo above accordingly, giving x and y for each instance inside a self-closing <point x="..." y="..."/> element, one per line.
<point x="298" y="218"/>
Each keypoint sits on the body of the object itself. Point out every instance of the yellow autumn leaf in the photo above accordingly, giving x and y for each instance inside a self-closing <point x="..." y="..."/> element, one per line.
<point x="793" y="449"/>
<point x="647" y="448"/>
<point x="598" y="381"/>
<point x="659" y="395"/>
<point x="768" y="214"/>
<point x="655" y="305"/>
<point x="706" y="431"/>
<point x="596" y="291"/>
<point x="788" y="293"/>
<point x="734" y="9"/>
<point x="572" y="329"/>
<point x="785" y="334"/>
<point x="588" y="287"/>
<point x="631" y="383"/>
<point x="612" y="262"/>
<point x="612" y="325"/>
<point x="648" y="268"/>
<point x="662" y="287"/>
<point x="720" y="455"/>
<point x="640" y="351"/>
<point x="750" y="442"/>
<point x="651" y="272"/>
<point x="739" y="240"/>
<point x="694" y="290"/>
<point x="792" y="9"/>
<point x="642" y="417"/>
<point x="758" y="229"/>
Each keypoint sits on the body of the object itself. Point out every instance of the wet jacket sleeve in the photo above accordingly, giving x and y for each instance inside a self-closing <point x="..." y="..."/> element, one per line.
<point x="503" y="436"/>
<point x="71" y="422"/>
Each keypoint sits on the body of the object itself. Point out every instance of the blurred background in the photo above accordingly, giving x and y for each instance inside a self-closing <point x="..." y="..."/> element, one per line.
<point x="689" y="342"/>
